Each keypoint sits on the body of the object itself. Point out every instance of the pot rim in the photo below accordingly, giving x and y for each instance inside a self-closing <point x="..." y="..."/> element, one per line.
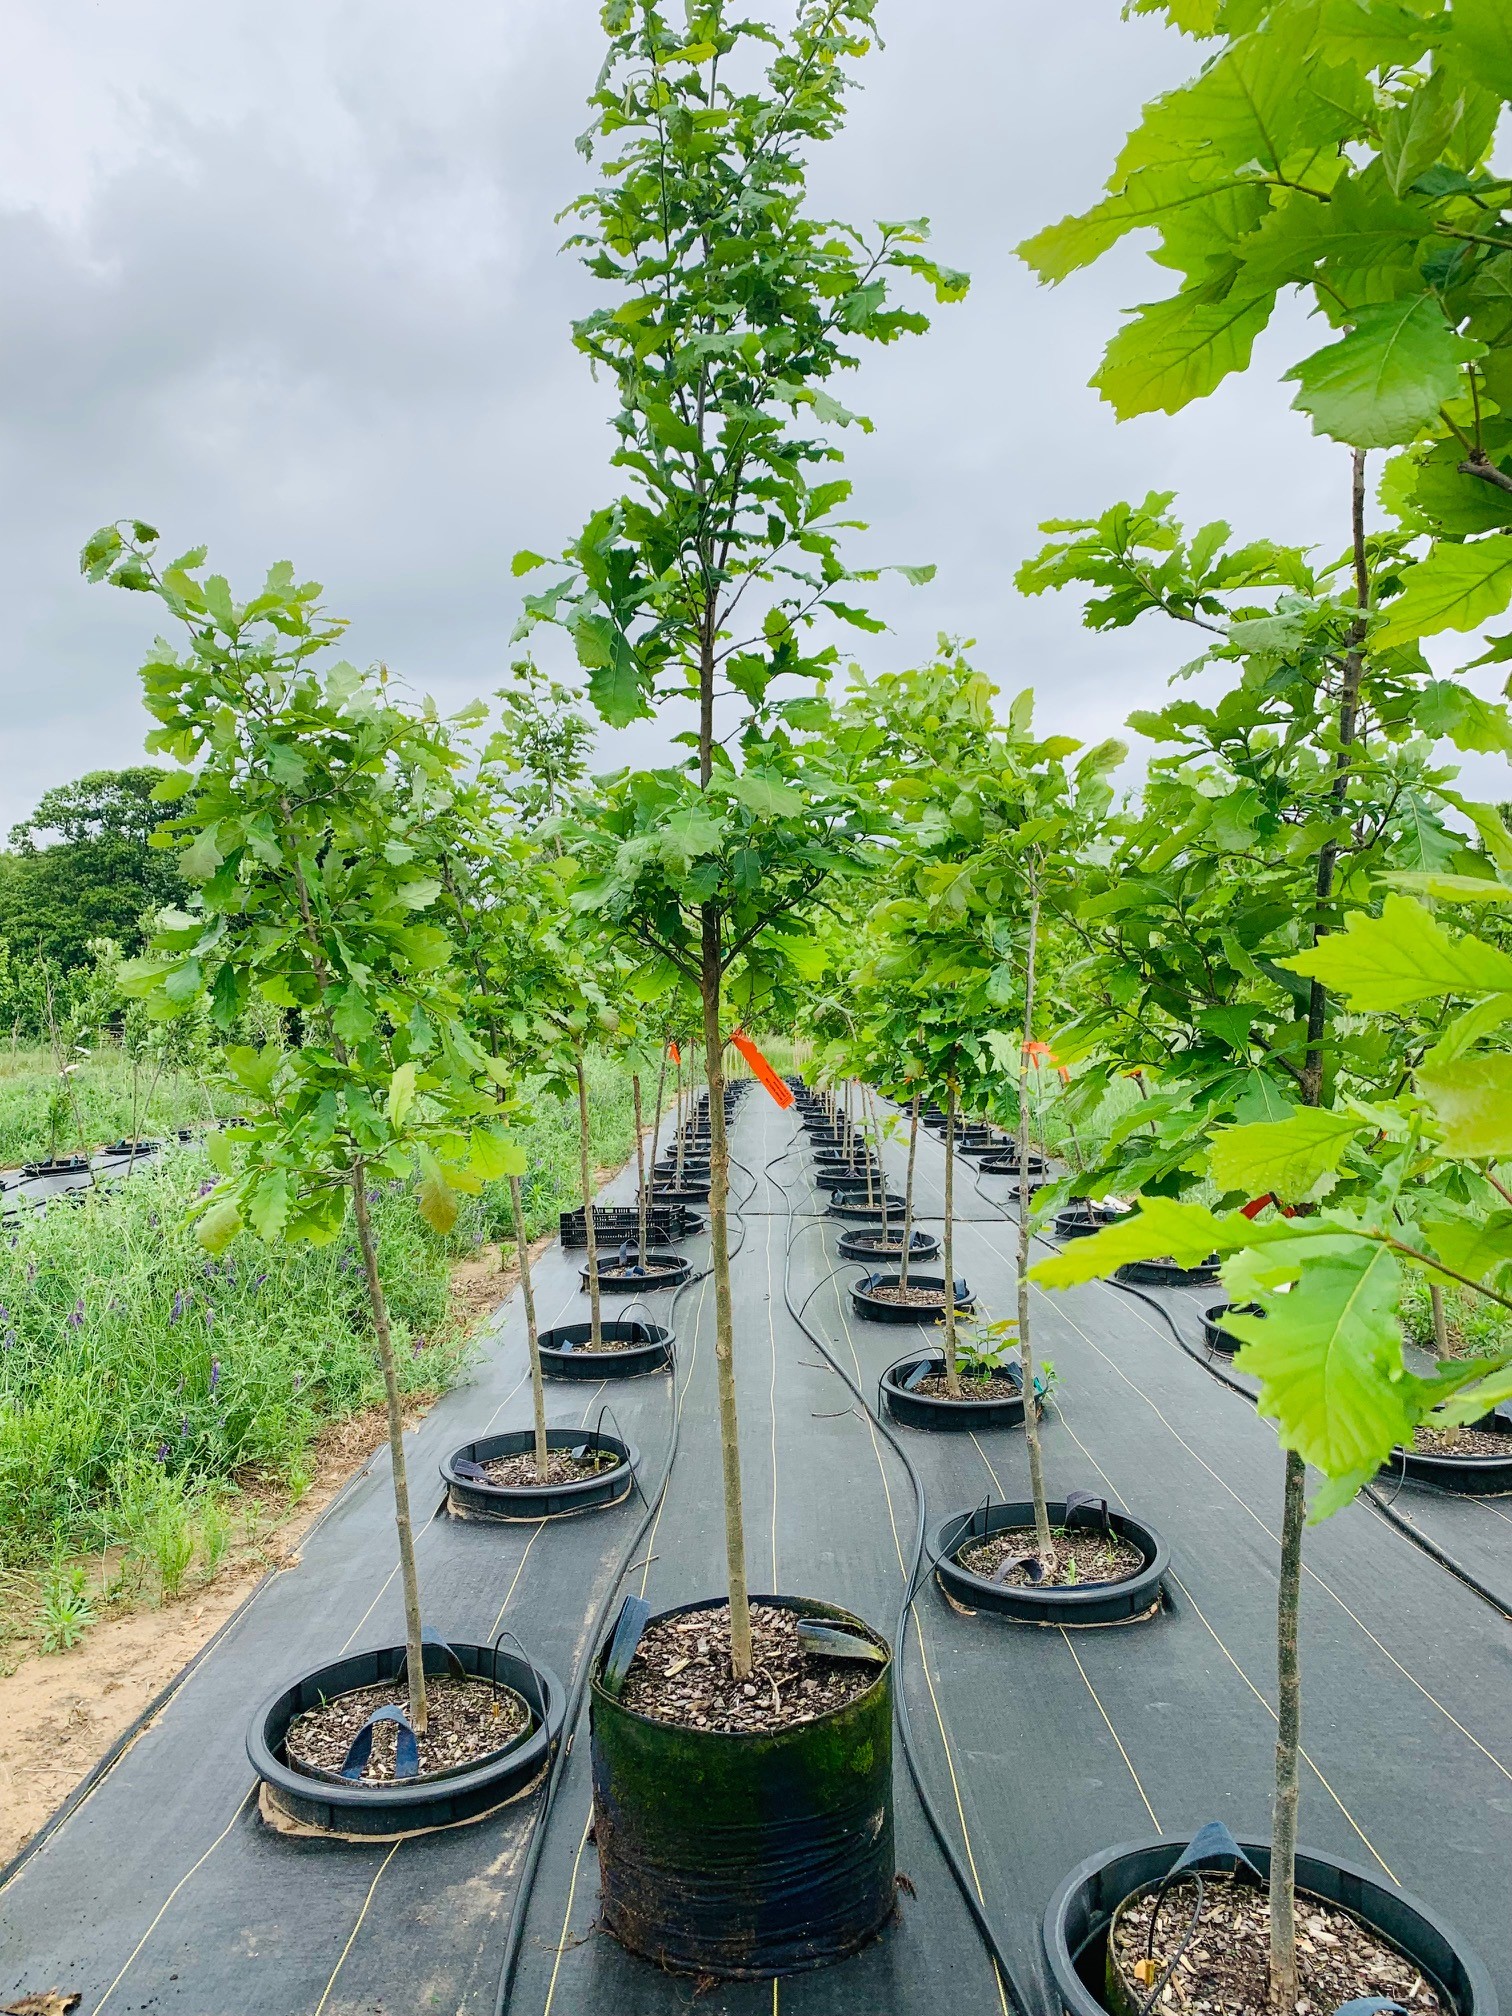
<point x="530" y="1751"/>
<point x="627" y="1452"/>
<point x="1077" y="2000"/>
<point x="1072" y="1597"/>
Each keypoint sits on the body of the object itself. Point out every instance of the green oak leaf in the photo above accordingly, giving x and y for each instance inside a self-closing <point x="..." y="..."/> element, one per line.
<point x="1284" y="1158"/>
<point x="1459" y="586"/>
<point x="1383" y="382"/>
<point x="1471" y="1100"/>
<point x="1328" y="1355"/>
<point x="1383" y="963"/>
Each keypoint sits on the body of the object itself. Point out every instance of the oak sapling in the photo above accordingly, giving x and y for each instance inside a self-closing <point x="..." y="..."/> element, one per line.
<point x="714" y="570"/>
<point x="313" y="828"/>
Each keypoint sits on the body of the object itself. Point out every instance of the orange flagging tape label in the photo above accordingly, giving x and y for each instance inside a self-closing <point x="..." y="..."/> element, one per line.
<point x="761" y="1070"/>
<point x="674" y="1053"/>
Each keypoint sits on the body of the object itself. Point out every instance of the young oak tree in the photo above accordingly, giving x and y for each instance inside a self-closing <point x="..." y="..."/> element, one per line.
<point x="314" y="826"/>
<point x="735" y="310"/>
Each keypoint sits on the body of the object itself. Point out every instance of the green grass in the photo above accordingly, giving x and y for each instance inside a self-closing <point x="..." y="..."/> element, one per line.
<point x="106" y="1093"/>
<point x="142" y="1385"/>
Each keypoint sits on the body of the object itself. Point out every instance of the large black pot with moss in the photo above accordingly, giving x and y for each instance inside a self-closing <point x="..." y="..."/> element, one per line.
<point x="750" y="1854"/>
<point x="1080" y="1917"/>
<point x="298" y="1799"/>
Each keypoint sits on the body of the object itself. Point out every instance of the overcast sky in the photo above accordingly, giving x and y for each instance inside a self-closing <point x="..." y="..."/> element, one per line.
<point x="284" y="279"/>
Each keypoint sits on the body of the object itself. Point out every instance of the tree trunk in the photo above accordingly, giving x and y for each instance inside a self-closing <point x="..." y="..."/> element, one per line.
<point x="640" y="1171"/>
<point x="724" y="1316"/>
<point x="1283" y="1871"/>
<point x="908" y="1189"/>
<point x="1440" y="1323"/>
<point x="532" y="1337"/>
<point x="876" y="1128"/>
<point x="681" y="1126"/>
<point x="952" y="1371"/>
<point x="414" y="1647"/>
<point x="656" y="1119"/>
<point x="1283" y="1903"/>
<point x="1042" y="1535"/>
<point x="585" y="1171"/>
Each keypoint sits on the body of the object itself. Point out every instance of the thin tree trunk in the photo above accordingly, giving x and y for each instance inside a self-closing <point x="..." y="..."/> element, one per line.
<point x="952" y="1372"/>
<point x="876" y="1128"/>
<point x="682" y="1131"/>
<point x="908" y="1190"/>
<point x="1283" y="1903"/>
<point x="414" y="1645"/>
<point x="656" y="1120"/>
<point x="590" y="1230"/>
<point x="1283" y="1870"/>
<point x="724" y="1315"/>
<point x="1440" y="1323"/>
<point x="1042" y="1536"/>
<point x="640" y="1170"/>
<point x="532" y="1336"/>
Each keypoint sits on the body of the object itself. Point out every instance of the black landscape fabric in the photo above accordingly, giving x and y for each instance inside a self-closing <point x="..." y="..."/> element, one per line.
<point x="164" y="1891"/>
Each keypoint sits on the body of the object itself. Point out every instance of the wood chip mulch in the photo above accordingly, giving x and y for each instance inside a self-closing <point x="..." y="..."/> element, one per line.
<point x="562" y="1467"/>
<point x="467" y="1721"/>
<point x="999" y="1386"/>
<point x="1461" y="1442"/>
<point x="681" y="1674"/>
<point x="910" y="1297"/>
<point x="1082" y="1554"/>
<point x="1225" y="1969"/>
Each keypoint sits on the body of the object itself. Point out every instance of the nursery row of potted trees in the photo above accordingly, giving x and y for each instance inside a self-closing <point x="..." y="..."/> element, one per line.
<point x="446" y="920"/>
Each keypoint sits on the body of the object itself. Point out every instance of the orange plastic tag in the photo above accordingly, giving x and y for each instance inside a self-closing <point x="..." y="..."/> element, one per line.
<point x="761" y="1070"/>
<point x="674" y="1053"/>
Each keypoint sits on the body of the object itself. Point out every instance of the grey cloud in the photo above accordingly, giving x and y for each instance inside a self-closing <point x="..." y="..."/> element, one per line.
<point x="286" y="280"/>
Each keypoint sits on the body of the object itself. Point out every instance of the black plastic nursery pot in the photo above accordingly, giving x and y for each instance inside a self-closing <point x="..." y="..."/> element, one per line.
<point x="635" y="1347"/>
<point x="931" y="1411"/>
<point x="472" y="1497"/>
<point x="1213" y="1333"/>
<point x="1166" y="1274"/>
<point x="1080" y="1915"/>
<point x="62" y="1165"/>
<point x="867" y="1303"/>
<point x="868" y="1245"/>
<point x="628" y="1277"/>
<point x="1081" y="1220"/>
<point x="854" y="1209"/>
<point x="417" y="1805"/>
<point x="1467" y="1476"/>
<point x="1007" y="1165"/>
<point x="689" y="1191"/>
<point x="745" y="1856"/>
<point x="1076" y="1603"/>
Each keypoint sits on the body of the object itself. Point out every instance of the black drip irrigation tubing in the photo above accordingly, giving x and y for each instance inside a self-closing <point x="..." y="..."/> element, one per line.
<point x="519" y="1914"/>
<point x="1386" y="1507"/>
<point x="917" y="1576"/>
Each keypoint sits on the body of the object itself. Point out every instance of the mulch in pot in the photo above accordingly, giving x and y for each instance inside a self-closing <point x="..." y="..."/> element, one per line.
<point x="681" y="1674"/>
<point x="562" y="1467"/>
<point x="1082" y="1554"/>
<point x="1226" y="1966"/>
<point x="910" y="1297"/>
<point x="468" y="1720"/>
<point x="995" y="1386"/>
<point x="1460" y="1442"/>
